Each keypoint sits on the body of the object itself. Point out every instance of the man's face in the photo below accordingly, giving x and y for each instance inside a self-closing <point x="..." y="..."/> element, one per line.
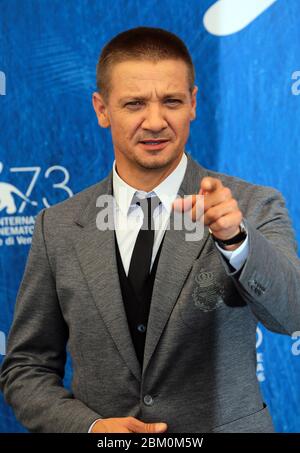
<point x="148" y="101"/>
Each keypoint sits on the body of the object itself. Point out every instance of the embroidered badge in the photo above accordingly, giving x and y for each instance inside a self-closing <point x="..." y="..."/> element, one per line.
<point x="208" y="294"/>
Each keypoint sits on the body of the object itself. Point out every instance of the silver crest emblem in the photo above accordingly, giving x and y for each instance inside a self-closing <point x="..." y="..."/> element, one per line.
<point x="208" y="294"/>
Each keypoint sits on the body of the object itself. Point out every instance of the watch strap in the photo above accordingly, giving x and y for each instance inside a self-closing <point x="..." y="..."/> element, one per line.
<point x="240" y="237"/>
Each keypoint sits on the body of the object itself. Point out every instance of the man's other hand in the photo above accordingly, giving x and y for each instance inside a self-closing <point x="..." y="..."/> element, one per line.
<point x="127" y="425"/>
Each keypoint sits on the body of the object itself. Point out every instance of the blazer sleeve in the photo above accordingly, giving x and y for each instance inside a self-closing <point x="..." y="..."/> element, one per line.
<point x="269" y="281"/>
<point x="33" y="369"/>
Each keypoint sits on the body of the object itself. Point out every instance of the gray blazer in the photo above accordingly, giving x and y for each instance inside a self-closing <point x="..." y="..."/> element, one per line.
<point x="199" y="372"/>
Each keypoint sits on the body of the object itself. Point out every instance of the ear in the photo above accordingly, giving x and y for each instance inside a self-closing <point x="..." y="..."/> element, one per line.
<point x="101" y="111"/>
<point x="193" y="103"/>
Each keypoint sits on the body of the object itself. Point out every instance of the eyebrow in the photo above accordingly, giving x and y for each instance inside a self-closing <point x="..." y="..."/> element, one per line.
<point x="145" y="98"/>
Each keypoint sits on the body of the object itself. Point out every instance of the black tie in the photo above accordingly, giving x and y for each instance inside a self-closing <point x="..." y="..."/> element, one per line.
<point x="140" y="263"/>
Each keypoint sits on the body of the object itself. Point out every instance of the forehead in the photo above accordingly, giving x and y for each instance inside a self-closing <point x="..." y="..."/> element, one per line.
<point x="136" y="76"/>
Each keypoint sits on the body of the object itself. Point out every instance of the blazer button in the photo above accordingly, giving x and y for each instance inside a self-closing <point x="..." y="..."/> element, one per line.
<point x="148" y="400"/>
<point x="141" y="328"/>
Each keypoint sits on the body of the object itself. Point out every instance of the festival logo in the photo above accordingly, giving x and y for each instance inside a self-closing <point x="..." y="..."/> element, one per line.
<point x="296" y="85"/>
<point x="2" y="84"/>
<point x="226" y="17"/>
<point x="16" y="223"/>
<point x="2" y="343"/>
<point x="260" y="370"/>
<point x="296" y="343"/>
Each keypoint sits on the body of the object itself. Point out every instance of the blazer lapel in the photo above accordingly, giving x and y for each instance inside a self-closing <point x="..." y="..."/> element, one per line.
<point x="97" y="255"/>
<point x="176" y="259"/>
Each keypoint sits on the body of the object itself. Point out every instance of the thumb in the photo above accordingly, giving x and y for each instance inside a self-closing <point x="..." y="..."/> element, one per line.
<point x="155" y="427"/>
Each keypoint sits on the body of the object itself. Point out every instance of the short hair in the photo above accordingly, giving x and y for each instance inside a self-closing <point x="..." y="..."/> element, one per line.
<point x="141" y="43"/>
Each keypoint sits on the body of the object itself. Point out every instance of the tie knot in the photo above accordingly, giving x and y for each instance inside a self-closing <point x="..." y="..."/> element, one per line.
<point x="148" y="206"/>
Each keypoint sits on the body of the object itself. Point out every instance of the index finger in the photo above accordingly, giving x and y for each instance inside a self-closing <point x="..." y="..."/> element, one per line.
<point x="210" y="184"/>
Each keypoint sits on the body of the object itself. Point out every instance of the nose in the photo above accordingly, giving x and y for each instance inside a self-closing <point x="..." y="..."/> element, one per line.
<point x="154" y="118"/>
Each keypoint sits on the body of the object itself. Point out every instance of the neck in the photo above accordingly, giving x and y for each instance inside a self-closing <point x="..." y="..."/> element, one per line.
<point x="145" y="179"/>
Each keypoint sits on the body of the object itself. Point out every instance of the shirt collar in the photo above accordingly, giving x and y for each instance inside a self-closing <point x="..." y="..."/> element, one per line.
<point x="166" y="191"/>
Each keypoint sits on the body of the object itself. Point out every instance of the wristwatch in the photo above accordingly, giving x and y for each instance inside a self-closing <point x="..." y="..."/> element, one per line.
<point x="240" y="237"/>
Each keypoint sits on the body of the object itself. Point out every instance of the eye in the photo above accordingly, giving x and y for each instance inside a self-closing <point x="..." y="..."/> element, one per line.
<point x="133" y="104"/>
<point x="173" y="101"/>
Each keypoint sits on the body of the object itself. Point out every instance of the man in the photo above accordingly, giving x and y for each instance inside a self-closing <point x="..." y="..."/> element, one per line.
<point x="161" y="329"/>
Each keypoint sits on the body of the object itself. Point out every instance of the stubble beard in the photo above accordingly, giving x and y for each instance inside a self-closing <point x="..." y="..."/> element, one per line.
<point x="154" y="163"/>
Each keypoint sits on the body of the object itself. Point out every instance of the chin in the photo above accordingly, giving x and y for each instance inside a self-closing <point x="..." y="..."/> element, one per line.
<point x="155" y="160"/>
<point x="153" y="163"/>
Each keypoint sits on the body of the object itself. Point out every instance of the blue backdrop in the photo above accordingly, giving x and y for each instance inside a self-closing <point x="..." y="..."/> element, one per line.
<point x="51" y="146"/>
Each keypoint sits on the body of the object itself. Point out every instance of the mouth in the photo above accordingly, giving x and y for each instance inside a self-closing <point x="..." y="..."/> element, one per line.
<point x="154" y="144"/>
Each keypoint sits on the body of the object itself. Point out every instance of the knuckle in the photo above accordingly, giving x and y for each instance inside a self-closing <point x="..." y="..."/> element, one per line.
<point x="226" y="192"/>
<point x="240" y="216"/>
<point x="208" y="216"/>
<point x="130" y="421"/>
<point x="234" y="203"/>
<point x="222" y="222"/>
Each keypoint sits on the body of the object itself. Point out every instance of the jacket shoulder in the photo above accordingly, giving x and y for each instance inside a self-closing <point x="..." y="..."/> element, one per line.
<point x="257" y="202"/>
<point x="68" y="210"/>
